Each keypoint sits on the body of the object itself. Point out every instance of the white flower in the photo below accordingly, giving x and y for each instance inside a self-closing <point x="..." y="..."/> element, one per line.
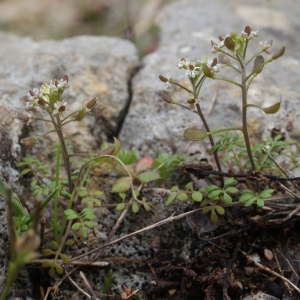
<point x="183" y="63"/>
<point x="192" y="71"/>
<point x="60" y="107"/>
<point x="249" y="33"/>
<point x="265" y="46"/>
<point x="168" y="83"/>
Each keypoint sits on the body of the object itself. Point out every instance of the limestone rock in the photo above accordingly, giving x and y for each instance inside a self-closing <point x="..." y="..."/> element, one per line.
<point x="187" y="27"/>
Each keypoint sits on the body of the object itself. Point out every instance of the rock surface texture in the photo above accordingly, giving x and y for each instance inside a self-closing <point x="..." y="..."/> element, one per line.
<point x="103" y="67"/>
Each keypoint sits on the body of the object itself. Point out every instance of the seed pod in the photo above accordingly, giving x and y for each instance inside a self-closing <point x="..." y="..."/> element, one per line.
<point x="279" y="53"/>
<point x="28" y="141"/>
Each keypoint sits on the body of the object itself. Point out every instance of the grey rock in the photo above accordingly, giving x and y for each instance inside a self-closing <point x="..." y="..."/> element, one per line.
<point x="187" y="27"/>
<point x="97" y="66"/>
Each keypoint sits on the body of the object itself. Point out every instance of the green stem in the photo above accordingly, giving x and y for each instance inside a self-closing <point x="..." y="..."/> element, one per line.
<point x="210" y="137"/>
<point x="55" y="211"/>
<point x="245" y="49"/>
<point x="244" y="114"/>
<point x="250" y="81"/>
<point x="71" y="114"/>
<point x="254" y="56"/>
<point x="234" y="68"/>
<point x="238" y="161"/>
<point x="256" y="69"/>
<point x="64" y="151"/>
<point x="198" y="86"/>
<point x="228" y="54"/>
<point x="183" y="87"/>
<point x="228" y="80"/>
<point x="223" y="129"/>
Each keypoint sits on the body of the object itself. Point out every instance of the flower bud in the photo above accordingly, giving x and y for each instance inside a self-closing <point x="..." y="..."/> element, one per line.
<point x="229" y="43"/>
<point x="90" y="103"/>
<point x="28" y="141"/>
<point x="279" y="53"/>
<point x="163" y="79"/>
<point x="23" y="117"/>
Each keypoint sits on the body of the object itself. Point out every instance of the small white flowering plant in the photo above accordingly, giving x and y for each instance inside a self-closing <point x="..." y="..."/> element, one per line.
<point x="71" y="183"/>
<point x="252" y="164"/>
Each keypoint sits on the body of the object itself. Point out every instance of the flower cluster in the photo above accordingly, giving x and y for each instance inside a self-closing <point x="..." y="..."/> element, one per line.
<point x="49" y="99"/>
<point x="231" y="49"/>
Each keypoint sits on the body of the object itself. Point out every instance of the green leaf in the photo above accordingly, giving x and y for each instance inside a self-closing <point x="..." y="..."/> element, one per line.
<point x="144" y="164"/>
<point x="174" y="188"/>
<point x="47" y="252"/>
<point x="98" y="194"/>
<point x="84" y="232"/>
<point x="70" y="214"/>
<point x="226" y="158"/>
<point x="135" y="207"/>
<point x="146" y="207"/>
<point x="121" y="185"/>
<point x="260" y="203"/>
<point x="232" y="190"/>
<point x="227" y="198"/>
<point x="190" y="186"/>
<point x="197" y="196"/>
<point x="246" y="196"/>
<point x="54" y="245"/>
<point x="206" y="209"/>
<point x="120" y="206"/>
<point x="230" y="181"/>
<point x="221" y="147"/>
<point x="195" y="134"/>
<point x="25" y="171"/>
<point x="69" y="243"/>
<point x="214" y="194"/>
<point x="182" y="196"/>
<point x="211" y="188"/>
<point x="83" y="193"/>
<point x="58" y="268"/>
<point x="66" y="260"/>
<point x="220" y="210"/>
<point x="213" y="216"/>
<point x="89" y="224"/>
<point x="148" y="176"/>
<point x="267" y="193"/>
<point x="230" y="147"/>
<point x="47" y="263"/>
<point x="239" y="144"/>
<point x="76" y="226"/>
<point x="250" y="201"/>
<point x="170" y="199"/>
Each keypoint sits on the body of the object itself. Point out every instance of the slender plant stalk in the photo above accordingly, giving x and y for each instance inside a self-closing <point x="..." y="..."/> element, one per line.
<point x="55" y="208"/>
<point x="244" y="114"/>
<point x="210" y="137"/>
<point x="64" y="152"/>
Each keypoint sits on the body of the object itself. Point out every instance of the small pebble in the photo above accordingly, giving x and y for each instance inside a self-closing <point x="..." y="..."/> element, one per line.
<point x="172" y="292"/>
<point x="255" y="257"/>
<point x="249" y="271"/>
<point x="268" y="254"/>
